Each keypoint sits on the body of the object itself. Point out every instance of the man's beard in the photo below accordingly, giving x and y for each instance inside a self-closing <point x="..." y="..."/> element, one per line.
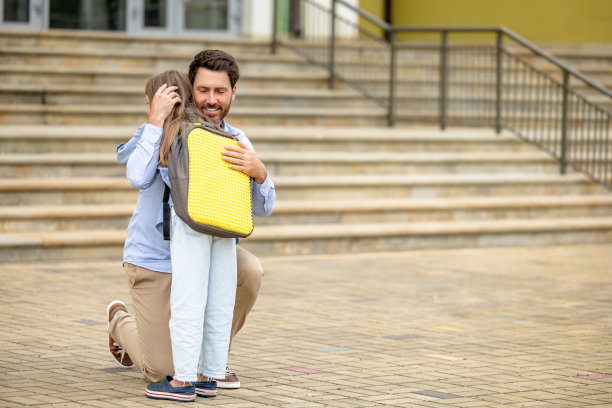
<point x="219" y="115"/>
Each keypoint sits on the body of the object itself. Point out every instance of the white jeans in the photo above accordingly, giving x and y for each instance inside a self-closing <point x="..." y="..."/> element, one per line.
<point x="201" y="301"/>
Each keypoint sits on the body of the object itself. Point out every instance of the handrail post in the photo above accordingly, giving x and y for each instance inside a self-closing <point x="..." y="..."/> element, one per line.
<point x="274" y="25"/>
<point x="332" y="46"/>
<point x="443" y="79"/>
<point x="564" y="121"/>
<point x="391" y="36"/>
<point x="498" y="83"/>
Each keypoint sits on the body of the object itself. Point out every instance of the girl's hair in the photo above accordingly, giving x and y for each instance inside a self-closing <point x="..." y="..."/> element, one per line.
<point x="185" y="112"/>
<point x="179" y="114"/>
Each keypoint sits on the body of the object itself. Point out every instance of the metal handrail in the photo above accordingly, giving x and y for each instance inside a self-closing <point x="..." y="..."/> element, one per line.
<point x="512" y="73"/>
<point x="556" y="61"/>
<point x="482" y="29"/>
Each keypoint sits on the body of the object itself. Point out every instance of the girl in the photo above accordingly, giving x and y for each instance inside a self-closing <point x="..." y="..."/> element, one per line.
<point x="204" y="267"/>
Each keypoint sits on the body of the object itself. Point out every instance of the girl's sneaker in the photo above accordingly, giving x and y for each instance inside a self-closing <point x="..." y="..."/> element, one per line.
<point x="206" y="388"/>
<point x="164" y="391"/>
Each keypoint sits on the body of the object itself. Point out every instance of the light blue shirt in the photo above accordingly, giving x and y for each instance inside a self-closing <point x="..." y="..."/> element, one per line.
<point x="144" y="244"/>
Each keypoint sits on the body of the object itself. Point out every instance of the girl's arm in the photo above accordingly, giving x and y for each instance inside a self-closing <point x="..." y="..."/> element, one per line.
<point x="142" y="164"/>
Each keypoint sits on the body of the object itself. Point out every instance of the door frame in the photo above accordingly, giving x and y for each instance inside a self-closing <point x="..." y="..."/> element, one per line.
<point x="135" y="19"/>
<point x="38" y="13"/>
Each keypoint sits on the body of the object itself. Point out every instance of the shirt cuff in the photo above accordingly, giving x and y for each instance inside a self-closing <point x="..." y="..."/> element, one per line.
<point x="264" y="188"/>
<point x="152" y="134"/>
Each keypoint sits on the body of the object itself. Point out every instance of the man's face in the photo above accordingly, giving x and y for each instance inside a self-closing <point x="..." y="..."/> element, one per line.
<point x="213" y="94"/>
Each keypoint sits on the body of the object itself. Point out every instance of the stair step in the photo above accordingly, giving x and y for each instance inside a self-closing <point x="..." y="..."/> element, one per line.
<point x="430" y="186"/>
<point x="309" y="239"/>
<point x="46" y="218"/>
<point x="61" y="191"/>
<point x="106" y="190"/>
<point x="271" y="75"/>
<point x="133" y="95"/>
<point x="117" y="57"/>
<point x="98" y="139"/>
<point x="66" y="75"/>
<point x="270" y="97"/>
<point x="88" y="40"/>
<point x="379" y="210"/>
<point x="131" y="114"/>
<point x="75" y="39"/>
<point x="325" y="238"/>
<point x="95" y="115"/>
<point x="288" y="164"/>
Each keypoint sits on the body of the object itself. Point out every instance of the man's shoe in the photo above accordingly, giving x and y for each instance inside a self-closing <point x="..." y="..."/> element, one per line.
<point x="206" y="388"/>
<point x="121" y="357"/>
<point x="230" y="381"/>
<point x="165" y="391"/>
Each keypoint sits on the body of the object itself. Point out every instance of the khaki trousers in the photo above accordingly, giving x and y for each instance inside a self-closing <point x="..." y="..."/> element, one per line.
<point x="145" y="334"/>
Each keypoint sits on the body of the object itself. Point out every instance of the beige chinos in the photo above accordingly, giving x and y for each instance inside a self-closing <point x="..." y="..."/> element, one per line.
<point x="145" y="334"/>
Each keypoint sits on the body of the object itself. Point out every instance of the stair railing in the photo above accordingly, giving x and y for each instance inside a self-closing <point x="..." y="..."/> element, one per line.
<point x="460" y="76"/>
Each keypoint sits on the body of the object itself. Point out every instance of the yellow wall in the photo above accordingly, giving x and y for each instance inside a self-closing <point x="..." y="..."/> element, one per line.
<point x="376" y="8"/>
<point x="544" y="21"/>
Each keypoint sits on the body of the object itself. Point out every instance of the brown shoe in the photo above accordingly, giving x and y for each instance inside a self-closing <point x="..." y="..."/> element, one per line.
<point x="121" y="357"/>
<point x="230" y="381"/>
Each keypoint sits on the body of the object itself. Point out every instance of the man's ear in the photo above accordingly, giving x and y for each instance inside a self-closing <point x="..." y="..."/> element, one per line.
<point x="234" y="93"/>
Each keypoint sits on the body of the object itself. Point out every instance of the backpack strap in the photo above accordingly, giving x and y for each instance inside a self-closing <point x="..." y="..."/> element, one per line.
<point x="166" y="226"/>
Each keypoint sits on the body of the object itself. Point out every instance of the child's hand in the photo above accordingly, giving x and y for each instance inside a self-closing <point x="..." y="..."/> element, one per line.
<point x="243" y="159"/>
<point x="162" y="104"/>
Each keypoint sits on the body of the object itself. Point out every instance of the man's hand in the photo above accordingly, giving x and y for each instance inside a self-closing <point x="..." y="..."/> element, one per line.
<point x="163" y="101"/>
<point x="243" y="159"/>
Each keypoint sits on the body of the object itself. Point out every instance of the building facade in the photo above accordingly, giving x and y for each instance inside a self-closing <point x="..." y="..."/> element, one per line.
<point x="216" y="18"/>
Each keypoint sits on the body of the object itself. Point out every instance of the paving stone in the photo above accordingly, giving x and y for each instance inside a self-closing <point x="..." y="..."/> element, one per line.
<point x="559" y="355"/>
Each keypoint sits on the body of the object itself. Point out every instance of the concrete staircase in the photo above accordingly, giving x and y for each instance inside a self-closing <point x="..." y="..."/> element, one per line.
<point x="345" y="183"/>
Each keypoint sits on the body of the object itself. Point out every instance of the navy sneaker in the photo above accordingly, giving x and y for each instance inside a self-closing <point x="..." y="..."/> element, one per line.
<point x="164" y="391"/>
<point x="206" y="388"/>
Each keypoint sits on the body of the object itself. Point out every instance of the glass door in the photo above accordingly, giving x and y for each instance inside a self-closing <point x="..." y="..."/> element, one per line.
<point x="103" y="15"/>
<point x="23" y="14"/>
<point x="219" y="18"/>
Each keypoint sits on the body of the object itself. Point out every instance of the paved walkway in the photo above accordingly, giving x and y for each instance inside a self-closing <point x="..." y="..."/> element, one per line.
<point x="501" y="327"/>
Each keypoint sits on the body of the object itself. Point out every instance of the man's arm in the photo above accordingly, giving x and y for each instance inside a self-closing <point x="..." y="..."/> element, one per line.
<point x="141" y="168"/>
<point x="163" y="101"/>
<point x="243" y="158"/>
<point x="125" y="150"/>
<point x="263" y="197"/>
<point x="143" y="153"/>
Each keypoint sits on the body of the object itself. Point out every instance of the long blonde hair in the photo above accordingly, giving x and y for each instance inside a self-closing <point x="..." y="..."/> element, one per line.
<point x="179" y="113"/>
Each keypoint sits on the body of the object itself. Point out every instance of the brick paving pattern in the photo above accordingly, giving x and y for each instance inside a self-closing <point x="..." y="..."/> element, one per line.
<point x="495" y="327"/>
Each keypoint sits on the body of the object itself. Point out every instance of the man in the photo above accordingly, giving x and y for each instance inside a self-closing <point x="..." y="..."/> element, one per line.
<point x="143" y="339"/>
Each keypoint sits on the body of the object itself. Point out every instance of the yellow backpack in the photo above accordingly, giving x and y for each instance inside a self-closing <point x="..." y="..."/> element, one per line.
<point x="207" y="195"/>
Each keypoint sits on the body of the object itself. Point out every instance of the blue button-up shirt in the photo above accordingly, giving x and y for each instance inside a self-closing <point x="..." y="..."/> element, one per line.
<point x="144" y="244"/>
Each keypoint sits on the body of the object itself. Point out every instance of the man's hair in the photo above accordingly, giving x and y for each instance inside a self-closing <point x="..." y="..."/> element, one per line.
<point x="214" y="60"/>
